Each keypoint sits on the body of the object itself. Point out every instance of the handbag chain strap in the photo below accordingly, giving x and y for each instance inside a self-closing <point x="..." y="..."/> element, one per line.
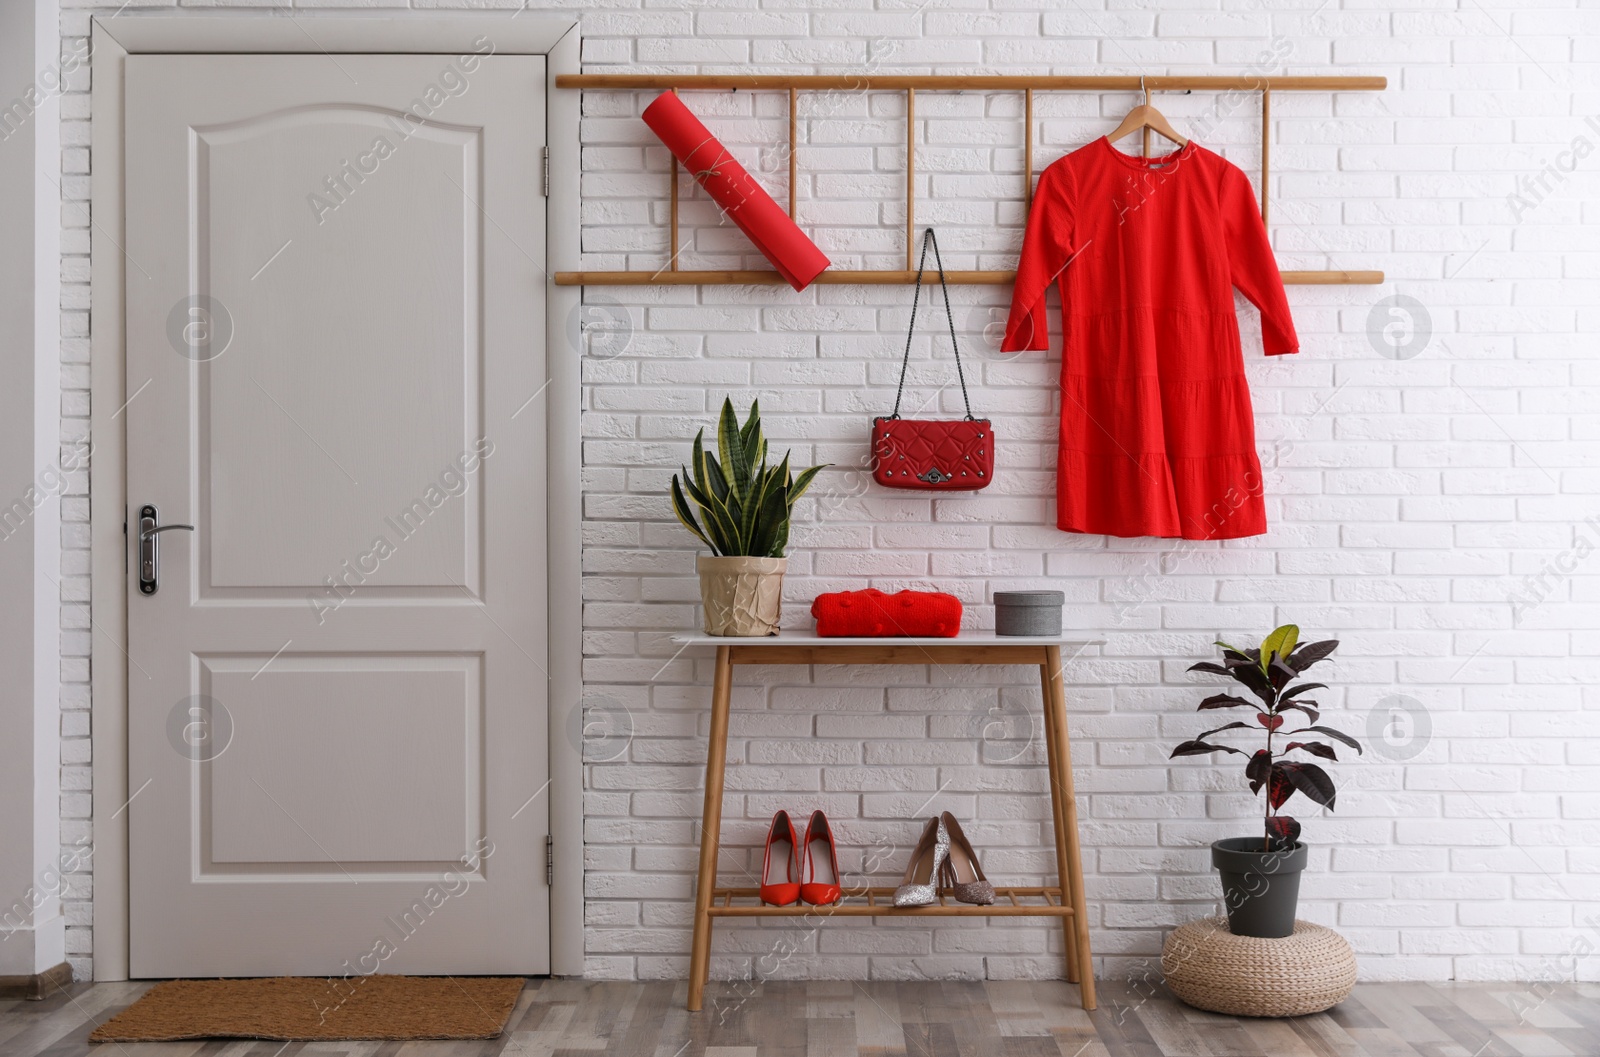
<point x="927" y="239"/>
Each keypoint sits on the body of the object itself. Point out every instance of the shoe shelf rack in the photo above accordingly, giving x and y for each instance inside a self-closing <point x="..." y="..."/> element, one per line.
<point x="669" y="274"/>
<point x="878" y="902"/>
<point x="1063" y="901"/>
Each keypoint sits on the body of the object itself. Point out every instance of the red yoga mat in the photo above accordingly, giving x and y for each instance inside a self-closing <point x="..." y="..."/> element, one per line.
<point x="782" y="242"/>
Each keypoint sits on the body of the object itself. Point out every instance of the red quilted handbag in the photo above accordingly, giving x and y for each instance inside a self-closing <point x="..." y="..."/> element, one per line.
<point x="942" y="455"/>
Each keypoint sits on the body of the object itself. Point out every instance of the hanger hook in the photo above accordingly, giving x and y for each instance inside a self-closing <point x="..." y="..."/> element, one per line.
<point x="1144" y="90"/>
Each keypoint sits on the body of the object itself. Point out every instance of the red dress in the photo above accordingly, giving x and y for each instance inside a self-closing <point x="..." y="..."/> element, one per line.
<point x="1157" y="432"/>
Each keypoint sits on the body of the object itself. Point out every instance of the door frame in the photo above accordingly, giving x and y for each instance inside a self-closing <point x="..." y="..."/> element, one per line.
<point x="113" y="39"/>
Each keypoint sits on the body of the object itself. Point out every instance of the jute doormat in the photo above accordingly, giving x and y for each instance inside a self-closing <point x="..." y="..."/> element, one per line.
<point x="303" y="1007"/>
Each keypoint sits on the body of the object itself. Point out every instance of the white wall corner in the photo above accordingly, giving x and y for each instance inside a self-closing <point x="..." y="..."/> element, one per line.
<point x="32" y="928"/>
<point x="49" y="922"/>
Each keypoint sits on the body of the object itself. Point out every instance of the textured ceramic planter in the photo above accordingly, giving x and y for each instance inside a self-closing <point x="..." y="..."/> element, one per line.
<point x="1261" y="889"/>
<point x="741" y="596"/>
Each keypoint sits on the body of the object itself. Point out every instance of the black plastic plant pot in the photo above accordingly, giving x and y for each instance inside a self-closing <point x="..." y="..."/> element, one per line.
<point x="1260" y="888"/>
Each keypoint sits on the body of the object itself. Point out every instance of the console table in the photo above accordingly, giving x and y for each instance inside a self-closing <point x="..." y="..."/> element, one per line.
<point x="1063" y="901"/>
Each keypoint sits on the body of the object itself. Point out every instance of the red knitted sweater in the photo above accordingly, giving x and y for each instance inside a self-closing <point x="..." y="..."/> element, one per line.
<point x="873" y="614"/>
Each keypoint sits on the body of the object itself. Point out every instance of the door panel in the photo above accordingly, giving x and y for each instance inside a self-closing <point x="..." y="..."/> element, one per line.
<point x="337" y="702"/>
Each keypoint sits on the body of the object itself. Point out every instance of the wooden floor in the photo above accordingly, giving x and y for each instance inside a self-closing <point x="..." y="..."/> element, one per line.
<point x="569" y="1018"/>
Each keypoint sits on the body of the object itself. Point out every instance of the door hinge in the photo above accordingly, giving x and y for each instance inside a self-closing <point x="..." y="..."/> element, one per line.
<point x="547" y="172"/>
<point x="550" y="861"/>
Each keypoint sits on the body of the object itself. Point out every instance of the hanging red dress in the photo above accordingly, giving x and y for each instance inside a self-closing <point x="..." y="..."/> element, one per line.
<point x="1157" y="432"/>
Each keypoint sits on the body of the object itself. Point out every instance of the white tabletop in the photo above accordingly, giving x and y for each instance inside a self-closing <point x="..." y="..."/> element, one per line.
<point x="809" y="637"/>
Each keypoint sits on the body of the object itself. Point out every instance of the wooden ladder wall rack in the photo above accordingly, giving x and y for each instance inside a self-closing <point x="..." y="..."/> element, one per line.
<point x="671" y="275"/>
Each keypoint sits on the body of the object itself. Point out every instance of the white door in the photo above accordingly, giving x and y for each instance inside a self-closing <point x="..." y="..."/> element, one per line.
<point x="337" y="689"/>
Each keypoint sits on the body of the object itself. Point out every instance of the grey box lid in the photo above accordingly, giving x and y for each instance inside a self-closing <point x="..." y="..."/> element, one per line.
<point x="1030" y="598"/>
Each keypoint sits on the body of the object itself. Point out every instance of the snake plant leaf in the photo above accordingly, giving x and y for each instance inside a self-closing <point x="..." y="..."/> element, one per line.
<point x="716" y="480"/>
<point x="752" y="444"/>
<point x="773" y="526"/>
<point x="801" y="483"/>
<point x="680" y="506"/>
<point x="723" y="532"/>
<point x="752" y="422"/>
<point x="763" y="483"/>
<point x="744" y="504"/>
<point x="697" y="457"/>
<point x="730" y="452"/>
<point x="1280" y="642"/>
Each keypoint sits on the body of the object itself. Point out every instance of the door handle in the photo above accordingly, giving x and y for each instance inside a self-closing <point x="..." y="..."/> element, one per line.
<point x="150" y="548"/>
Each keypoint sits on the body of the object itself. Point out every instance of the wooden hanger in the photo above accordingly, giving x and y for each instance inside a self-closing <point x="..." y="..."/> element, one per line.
<point x="1148" y="118"/>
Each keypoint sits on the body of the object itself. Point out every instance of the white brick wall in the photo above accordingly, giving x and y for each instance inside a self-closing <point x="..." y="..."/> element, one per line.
<point x="1413" y="501"/>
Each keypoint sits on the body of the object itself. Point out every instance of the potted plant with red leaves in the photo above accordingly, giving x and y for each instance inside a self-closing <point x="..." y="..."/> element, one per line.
<point x="1261" y="875"/>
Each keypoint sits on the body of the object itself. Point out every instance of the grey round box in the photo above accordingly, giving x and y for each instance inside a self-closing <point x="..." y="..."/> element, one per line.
<point x="1028" y="612"/>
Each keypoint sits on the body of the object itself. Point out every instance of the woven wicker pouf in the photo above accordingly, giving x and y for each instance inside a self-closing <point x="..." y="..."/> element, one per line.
<point x="1210" y="968"/>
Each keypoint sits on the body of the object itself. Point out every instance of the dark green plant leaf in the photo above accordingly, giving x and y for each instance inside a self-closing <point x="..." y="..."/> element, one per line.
<point x="1256" y="682"/>
<point x="1217" y="730"/>
<point x="1209" y="666"/>
<point x="1257" y="770"/>
<point x="1308" y="707"/>
<point x="1337" y="735"/>
<point x="1226" y="701"/>
<point x="1199" y="748"/>
<point x="1315" y="748"/>
<point x="1282" y="831"/>
<point x="1303" y="688"/>
<point x="1311" y="780"/>
<point x="1312" y="652"/>
<point x="1279" y="674"/>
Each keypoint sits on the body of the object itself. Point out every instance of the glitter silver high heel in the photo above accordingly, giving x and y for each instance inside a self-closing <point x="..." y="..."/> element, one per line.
<point x="920" y="886"/>
<point x="965" y="875"/>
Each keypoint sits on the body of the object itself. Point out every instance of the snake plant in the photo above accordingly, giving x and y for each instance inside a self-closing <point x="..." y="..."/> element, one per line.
<point x="744" y="503"/>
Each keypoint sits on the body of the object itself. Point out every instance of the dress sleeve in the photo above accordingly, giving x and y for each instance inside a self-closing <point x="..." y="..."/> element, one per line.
<point x="1253" y="267"/>
<point x="1046" y="248"/>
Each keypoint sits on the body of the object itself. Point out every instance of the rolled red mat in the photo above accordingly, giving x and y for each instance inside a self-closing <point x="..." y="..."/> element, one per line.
<point x="873" y="614"/>
<point x="761" y="219"/>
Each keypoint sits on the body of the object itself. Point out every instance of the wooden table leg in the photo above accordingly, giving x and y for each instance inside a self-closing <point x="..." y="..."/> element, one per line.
<point x="1056" y="715"/>
<point x="1058" y="823"/>
<point x="710" y="826"/>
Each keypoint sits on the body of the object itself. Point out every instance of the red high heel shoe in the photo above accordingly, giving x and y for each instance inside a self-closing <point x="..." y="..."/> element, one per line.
<point x="785" y="892"/>
<point x="821" y="887"/>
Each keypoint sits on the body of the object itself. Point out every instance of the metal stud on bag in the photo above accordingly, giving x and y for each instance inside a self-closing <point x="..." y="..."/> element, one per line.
<point x="930" y="445"/>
